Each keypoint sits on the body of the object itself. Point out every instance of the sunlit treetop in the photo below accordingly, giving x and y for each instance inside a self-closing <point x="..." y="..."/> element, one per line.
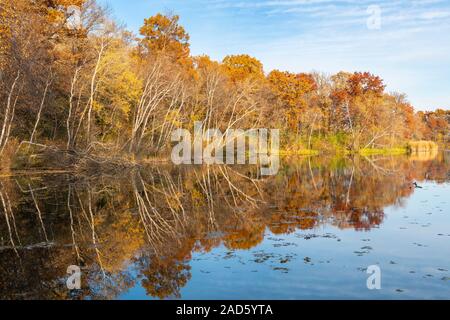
<point x="205" y="62"/>
<point x="204" y="66"/>
<point x="291" y="87"/>
<point x="164" y="34"/>
<point x="242" y="67"/>
<point x="360" y="83"/>
<point x="352" y="85"/>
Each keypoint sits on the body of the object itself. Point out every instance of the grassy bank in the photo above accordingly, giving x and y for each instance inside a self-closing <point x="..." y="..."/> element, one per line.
<point x="301" y="152"/>
<point x="343" y="144"/>
<point x="383" y="151"/>
<point x="31" y="158"/>
<point x="342" y="151"/>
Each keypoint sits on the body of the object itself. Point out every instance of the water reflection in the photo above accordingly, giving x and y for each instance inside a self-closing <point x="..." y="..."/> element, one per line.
<point x="142" y="228"/>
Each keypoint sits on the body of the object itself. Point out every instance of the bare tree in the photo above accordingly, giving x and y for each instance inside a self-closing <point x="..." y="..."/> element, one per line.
<point x="8" y="116"/>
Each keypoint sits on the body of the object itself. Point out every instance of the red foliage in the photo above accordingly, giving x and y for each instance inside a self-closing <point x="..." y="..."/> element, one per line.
<point x="361" y="83"/>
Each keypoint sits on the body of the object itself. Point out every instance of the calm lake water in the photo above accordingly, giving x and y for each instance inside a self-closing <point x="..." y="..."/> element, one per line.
<point x="169" y="232"/>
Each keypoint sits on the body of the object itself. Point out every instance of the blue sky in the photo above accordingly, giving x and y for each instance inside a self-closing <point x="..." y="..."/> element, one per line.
<point x="410" y="50"/>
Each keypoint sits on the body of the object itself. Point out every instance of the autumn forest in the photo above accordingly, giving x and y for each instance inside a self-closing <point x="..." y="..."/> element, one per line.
<point x="90" y="87"/>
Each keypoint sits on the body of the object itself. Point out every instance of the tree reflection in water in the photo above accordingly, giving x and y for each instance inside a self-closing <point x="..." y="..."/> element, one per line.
<point x="144" y="225"/>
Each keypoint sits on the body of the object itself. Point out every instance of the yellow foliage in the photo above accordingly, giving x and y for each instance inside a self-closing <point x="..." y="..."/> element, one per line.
<point x="422" y="146"/>
<point x="243" y="67"/>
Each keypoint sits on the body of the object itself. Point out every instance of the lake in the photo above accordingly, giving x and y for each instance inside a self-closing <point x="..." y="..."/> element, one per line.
<point x="197" y="232"/>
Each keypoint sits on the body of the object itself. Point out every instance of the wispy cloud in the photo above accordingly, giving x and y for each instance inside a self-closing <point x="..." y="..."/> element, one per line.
<point x="410" y="50"/>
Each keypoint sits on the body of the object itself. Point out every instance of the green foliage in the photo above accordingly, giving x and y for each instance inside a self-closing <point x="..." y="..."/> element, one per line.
<point x="386" y="151"/>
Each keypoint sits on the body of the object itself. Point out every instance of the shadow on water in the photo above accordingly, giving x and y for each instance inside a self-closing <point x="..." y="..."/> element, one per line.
<point x="143" y="227"/>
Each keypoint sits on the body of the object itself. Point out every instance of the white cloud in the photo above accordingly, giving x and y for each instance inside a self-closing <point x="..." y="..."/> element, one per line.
<point x="435" y="15"/>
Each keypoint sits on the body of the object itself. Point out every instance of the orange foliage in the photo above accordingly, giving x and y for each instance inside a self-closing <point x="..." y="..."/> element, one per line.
<point x="243" y="67"/>
<point x="292" y="89"/>
<point x="163" y="34"/>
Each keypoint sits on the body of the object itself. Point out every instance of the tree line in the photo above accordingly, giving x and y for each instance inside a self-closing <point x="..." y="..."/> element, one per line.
<point x="78" y="81"/>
